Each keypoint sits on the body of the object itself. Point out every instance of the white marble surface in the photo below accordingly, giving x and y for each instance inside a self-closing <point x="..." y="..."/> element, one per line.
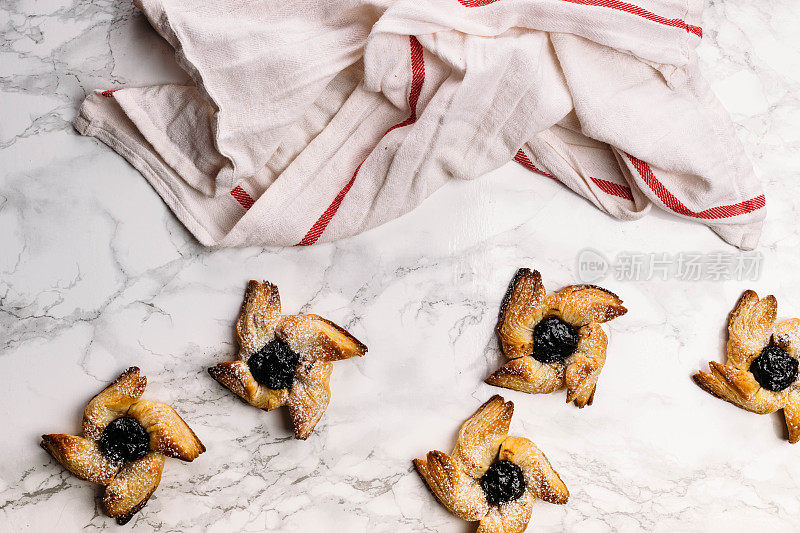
<point x="97" y="275"/>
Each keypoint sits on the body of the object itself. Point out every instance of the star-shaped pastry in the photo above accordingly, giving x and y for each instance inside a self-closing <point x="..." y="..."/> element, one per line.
<point x="553" y="341"/>
<point x="125" y="440"/>
<point x="284" y="359"/>
<point x="760" y="374"/>
<point x="491" y="477"/>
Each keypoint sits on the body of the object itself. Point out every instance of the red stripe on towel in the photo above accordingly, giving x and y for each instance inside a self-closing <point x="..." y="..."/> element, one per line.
<point x="639" y="11"/>
<point x="244" y="199"/>
<point x="614" y="189"/>
<point x="109" y="93"/>
<point x="613" y="4"/>
<point x="417" y="79"/>
<point x="669" y="199"/>
<point x="608" y="187"/>
<point x="672" y="203"/>
<point x="476" y="3"/>
<point x="322" y="222"/>
<point x="523" y="159"/>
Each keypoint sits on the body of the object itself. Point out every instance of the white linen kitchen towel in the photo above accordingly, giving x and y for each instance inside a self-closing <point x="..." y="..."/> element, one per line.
<point x="310" y="121"/>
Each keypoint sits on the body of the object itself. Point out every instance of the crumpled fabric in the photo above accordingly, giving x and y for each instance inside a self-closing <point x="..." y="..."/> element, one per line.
<point x="312" y="121"/>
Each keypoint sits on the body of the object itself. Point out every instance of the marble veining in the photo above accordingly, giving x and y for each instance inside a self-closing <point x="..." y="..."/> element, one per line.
<point x="96" y="275"/>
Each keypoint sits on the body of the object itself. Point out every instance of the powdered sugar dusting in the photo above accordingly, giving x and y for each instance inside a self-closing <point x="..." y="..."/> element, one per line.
<point x="315" y="339"/>
<point x="169" y="434"/>
<point x="453" y="478"/>
<point x="584" y="307"/>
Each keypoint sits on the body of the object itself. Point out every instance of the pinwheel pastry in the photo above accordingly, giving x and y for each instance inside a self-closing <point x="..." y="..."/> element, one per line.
<point x="760" y="374"/>
<point x="553" y="341"/>
<point x="491" y="477"/>
<point x="284" y="359"/>
<point x="125" y="440"/>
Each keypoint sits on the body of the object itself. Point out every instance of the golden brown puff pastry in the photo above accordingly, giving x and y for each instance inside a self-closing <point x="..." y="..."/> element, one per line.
<point x="491" y="477"/>
<point x="124" y="444"/>
<point x="284" y="359"/>
<point x="553" y="341"/>
<point x="760" y="374"/>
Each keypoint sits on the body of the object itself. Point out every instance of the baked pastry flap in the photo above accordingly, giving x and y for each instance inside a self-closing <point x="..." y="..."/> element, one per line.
<point x="125" y="442"/>
<point x="760" y="373"/>
<point x="285" y="359"/>
<point x="553" y="341"/>
<point x="490" y="477"/>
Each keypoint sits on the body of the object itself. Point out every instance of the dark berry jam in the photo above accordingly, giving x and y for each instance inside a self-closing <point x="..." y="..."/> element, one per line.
<point x="124" y="439"/>
<point x="774" y="369"/>
<point x="274" y="365"/>
<point x="553" y="340"/>
<point x="503" y="483"/>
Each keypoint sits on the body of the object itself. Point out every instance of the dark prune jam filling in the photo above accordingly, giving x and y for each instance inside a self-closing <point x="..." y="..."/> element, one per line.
<point x="774" y="369"/>
<point x="503" y="483"/>
<point x="274" y="365"/>
<point x="553" y="340"/>
<point x="124" y="439"/>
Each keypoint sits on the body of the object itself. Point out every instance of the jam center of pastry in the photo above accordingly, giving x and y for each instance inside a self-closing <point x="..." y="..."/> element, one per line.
<point x="553" y="340"/>
<point x="274" y="365"/>
<point x="124" y="439"/>
<point x="503" y="483"/>
<point x="774" y="369"/>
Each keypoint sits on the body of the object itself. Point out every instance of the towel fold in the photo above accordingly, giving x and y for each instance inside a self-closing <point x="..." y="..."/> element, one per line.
<point x="313" y="121"/>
